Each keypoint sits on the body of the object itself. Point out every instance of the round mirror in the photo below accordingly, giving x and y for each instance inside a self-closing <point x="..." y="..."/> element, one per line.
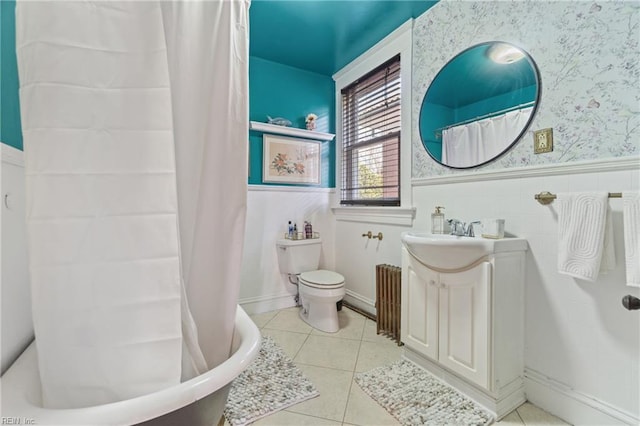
<point x="479" y="104"/>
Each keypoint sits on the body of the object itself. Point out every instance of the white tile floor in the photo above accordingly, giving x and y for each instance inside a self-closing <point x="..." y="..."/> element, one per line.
<point x="330" y="361"/>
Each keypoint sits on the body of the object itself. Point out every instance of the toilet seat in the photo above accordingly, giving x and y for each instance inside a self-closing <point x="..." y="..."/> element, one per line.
<point x="322" y="279"/>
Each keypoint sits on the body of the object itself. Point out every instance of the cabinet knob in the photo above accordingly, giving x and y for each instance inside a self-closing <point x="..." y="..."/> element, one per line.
<point x="432" y="282"/>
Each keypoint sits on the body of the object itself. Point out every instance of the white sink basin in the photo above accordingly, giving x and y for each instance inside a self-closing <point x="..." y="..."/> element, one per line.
<point x="450" y="252"/>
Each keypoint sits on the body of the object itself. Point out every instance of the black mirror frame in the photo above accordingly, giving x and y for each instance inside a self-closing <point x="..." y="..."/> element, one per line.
<point x="538" y="97"/>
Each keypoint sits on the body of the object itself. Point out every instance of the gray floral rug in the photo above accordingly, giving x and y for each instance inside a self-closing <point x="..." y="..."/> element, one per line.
<point x="271" y="383"/>
<point x="415" y="397"/>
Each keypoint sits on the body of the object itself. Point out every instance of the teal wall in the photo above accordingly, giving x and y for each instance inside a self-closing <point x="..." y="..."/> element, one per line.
<point x="436" y="117"/>
<point x="10" y="132"/>
<point x="496" y="103"/>
<point x="282" y="91"/>
<point x="274" y="89"/>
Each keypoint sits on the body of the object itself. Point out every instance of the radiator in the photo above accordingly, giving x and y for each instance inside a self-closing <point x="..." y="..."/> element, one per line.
<point x="388" y="299"/>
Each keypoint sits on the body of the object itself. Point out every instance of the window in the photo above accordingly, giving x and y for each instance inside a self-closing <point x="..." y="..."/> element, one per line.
<point x="371" y="138"/>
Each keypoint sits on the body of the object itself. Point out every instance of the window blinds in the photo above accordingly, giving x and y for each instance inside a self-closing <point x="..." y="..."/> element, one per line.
<point x="371" y="138"/>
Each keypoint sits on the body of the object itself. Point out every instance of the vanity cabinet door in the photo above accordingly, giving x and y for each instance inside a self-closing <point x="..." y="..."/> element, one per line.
<point x="465" y="310"/>
<point x="419" y="322"/>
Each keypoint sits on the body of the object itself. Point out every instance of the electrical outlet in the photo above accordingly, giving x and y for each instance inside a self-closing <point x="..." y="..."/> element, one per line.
<point x="542" y="141"/>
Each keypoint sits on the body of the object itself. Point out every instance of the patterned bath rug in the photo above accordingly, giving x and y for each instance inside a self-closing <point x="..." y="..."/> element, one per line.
<point x="271" y="383"/>
<point x="415" y="397"/>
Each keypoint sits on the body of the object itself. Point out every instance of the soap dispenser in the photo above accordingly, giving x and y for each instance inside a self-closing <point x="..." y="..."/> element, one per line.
<point x="437" y="221"/>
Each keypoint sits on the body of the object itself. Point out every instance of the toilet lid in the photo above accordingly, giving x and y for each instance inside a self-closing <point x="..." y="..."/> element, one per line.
<point x="322" y="278"/>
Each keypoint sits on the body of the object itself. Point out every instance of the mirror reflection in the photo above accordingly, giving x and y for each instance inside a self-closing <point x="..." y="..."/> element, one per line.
<point x="479" y="105"/>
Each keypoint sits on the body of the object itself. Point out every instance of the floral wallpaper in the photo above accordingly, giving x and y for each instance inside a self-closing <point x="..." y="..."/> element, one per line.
<point x="588" y="56"/>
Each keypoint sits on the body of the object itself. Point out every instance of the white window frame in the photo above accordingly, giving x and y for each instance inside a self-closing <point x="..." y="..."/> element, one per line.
<point x="398" y="42"/>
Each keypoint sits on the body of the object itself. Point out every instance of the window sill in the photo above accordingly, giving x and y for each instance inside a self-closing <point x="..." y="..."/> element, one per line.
<point x="383" y="215"/>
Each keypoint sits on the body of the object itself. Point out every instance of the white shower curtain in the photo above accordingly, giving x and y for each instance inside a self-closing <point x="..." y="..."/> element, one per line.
<point x="479" y="141"/>
<point x="210" y="116"/>
<point x="130" y="142"/>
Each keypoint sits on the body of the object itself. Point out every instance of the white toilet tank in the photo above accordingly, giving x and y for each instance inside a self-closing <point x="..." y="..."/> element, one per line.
<point x="297" y="256"/>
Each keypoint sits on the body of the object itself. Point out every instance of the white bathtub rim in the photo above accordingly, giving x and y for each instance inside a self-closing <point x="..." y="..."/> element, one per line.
<point x="19" y="378"/>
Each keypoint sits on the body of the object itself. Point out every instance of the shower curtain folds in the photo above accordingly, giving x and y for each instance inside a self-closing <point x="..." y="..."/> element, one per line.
<point x="127" y="137"/>
<point x="210" y="118"/>
<point x="477" y="142"/>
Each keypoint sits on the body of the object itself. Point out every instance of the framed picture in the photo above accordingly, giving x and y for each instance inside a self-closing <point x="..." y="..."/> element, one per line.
<point x="290" y="160"/>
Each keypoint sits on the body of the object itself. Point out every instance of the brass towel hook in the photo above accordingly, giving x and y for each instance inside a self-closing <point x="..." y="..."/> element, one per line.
<point x="379" y="236"/>
<point x="368" y="234"/>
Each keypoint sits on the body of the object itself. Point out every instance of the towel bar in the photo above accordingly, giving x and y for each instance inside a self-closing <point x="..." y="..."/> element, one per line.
<point x="546" y="197"/>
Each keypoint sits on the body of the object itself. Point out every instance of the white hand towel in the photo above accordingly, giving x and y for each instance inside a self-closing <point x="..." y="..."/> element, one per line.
<point x="608" y="253"/>
<point x="631" y="220"/>
<point x="582" y="224"/>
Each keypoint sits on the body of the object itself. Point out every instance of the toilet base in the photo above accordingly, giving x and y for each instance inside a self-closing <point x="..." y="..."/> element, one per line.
<point x="321" y="316"/>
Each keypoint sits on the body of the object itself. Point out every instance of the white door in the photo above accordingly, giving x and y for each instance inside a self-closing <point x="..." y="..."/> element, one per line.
<point x="419" y="327"/>
<point x="465" y="308"/>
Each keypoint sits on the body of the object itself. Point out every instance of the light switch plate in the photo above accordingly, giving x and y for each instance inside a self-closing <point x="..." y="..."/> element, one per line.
<point x="542" y="141"/>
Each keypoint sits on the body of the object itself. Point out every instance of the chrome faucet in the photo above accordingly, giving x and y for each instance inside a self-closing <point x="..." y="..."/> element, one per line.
<point x="457" y="227"/>
<point x="470" y="228"/>
<point x="461" y="229"/>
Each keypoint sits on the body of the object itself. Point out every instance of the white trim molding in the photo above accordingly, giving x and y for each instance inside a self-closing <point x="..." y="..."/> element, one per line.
<point x="383" y="215"/>
<point x="360" y="301"/>
<point x="381" y="52"/>
<point x="290" y="131"/>
<point x="11" y="155"/>
<point x="398" y="42"/>
<point x="282" y="188"/>
<point x="272" y="302"/>
<point x="590" y="166"/>
<point x="570" y="405"/>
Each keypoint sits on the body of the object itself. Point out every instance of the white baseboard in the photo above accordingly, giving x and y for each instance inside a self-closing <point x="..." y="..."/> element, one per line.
<point x="260" y="304"/>
<point x="360" y="302"/>
<point x="570" y="405"/>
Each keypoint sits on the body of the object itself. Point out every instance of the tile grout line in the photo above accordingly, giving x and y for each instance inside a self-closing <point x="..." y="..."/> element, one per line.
<point x="519" y="416"/>
<point x="308" y="415"/>
<point x="353" y="373"/>
<point x="300" y="348"/>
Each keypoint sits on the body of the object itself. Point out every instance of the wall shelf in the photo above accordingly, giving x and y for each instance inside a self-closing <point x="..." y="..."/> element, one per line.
<point x="290" y="131"/>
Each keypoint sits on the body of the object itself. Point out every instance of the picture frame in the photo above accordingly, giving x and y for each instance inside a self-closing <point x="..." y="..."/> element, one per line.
<point x="290" y="160"/>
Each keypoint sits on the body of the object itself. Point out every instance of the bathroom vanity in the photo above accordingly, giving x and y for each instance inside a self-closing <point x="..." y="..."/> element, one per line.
<point x="463" y="314"/>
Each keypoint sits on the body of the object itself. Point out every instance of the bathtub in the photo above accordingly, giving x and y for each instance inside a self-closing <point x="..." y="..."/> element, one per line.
<point x="199" y="401"/>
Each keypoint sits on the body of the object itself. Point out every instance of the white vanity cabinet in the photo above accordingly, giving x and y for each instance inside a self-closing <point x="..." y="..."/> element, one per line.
<point x="466" y="326"/>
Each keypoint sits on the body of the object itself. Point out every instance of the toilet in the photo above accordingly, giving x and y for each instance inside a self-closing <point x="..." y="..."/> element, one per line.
<point x="319" y="289"/>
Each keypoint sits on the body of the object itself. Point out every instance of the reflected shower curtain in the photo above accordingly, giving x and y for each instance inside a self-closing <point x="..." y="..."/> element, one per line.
<point x="479" y="141"/>
<point x="134" y="116"/>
